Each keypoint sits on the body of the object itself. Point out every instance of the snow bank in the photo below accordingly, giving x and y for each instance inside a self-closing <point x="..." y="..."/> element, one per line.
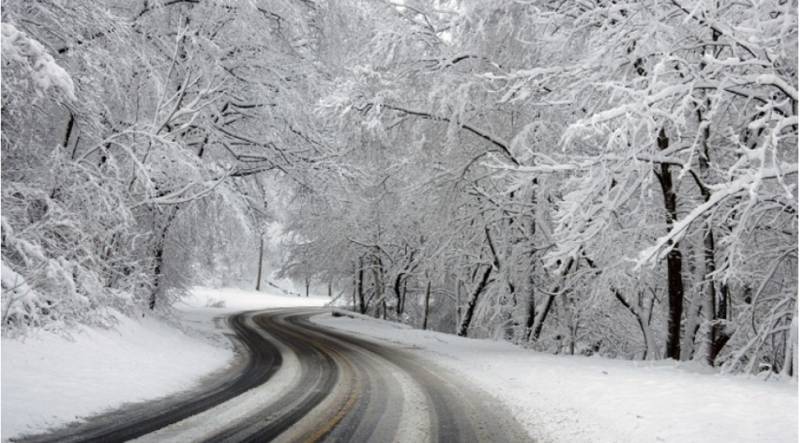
<point x="49" y="380"/>
<point x="580" y="399"/>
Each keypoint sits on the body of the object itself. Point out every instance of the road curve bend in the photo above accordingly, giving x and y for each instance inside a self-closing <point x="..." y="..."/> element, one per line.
<point x="303" y="382"/>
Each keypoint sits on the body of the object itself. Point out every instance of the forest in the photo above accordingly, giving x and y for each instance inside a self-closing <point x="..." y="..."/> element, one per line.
<point x="595" y="177"/>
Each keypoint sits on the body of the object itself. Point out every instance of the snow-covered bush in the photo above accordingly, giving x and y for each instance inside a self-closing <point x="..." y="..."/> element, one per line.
<point x="70" y="242"/>
<point x="59" y="217"/>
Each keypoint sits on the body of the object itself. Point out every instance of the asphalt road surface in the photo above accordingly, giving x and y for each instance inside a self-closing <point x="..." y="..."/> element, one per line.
<point x="301" y="382"/>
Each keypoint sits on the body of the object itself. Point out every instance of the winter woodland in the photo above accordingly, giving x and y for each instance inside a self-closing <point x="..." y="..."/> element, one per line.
<point x="581" y="177"/>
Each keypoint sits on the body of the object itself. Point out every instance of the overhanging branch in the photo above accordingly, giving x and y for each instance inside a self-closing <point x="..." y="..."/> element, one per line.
<point x="499" y="144"/>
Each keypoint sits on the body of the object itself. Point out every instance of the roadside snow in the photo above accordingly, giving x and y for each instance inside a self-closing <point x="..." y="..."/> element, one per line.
<point x="580" y="399"/>
<point x="49" y="380"/>
<point x="237" y="300"/>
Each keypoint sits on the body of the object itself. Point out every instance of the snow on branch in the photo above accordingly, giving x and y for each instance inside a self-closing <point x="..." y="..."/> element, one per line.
<point x="665" y="243"/>
<point x="578" y="163"/>
<point x="182" y="195"/>
<point x="638" y="103"/>
<point x="774" y="80"/>
<point x="33" y="57"/>
<point x="500" y="144"/>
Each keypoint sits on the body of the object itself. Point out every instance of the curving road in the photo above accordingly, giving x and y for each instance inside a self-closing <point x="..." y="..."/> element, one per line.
<point x="304" y="382"/>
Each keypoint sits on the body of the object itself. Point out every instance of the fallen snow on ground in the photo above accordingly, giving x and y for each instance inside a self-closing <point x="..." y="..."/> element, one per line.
<point x="581" y="399"/>
<point x="237" y="300"/>
<point x="49" y="380"/>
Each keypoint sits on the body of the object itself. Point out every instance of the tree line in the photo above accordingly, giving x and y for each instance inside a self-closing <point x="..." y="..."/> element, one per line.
<point x="579" y="177"/>
<point x="593" y="177"/>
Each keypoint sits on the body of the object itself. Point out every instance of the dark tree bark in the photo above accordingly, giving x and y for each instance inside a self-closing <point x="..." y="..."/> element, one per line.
<point x="709" y="304"/>
<point x="537" y="327"/>
<point x="674" y="258"/>
<point x="404" y="294"/>
<point x="158" y="266"/>
<point x="427" y="305"/>
<point x="68" y="132"/>
<point x="355" y="288"/>
<point x="538" y="322"/>
<point x="721" y="335"/>
<point x="159" y="262"/>
<point x="640" y="320"/>
<point x="260" y="262"/>
<point x="473" y="301"/>
<point x="378" y="275"/>
<point x="714" y="304"/>
<point x="398" y="294"/>
<point x="482" y="284"/>
<point x="362" y="305"/>
<point x="530" y="314"/>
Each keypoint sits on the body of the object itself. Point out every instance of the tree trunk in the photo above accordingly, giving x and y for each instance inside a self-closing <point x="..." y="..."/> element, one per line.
<point x="260" y="263"/>
<point x="355" y="288"/>
<point x="377" y="275"/>
<point x="714" y="305"/>
<point x="709" y="328"/>
<point x="68" y="132"/>
<point x="427" y="305"/>
<point x="530" y="314"/>
<point x="538" y="322"/>
<point x="159" y="262"/>
<point x="404" y="295"/>
<point x="790" y="351"/>
<point x="459" y="287"/>
<point x="644" y="327"/>
<point x="692" y="324"/>
<point x="473" y="301"/>
<point x="573" y="332"/>
<point x="398" y="295"/>
<point x="717" y="302"/>
<point x="674" y="258"/>
<point x="158" y="256"/>
<point x="308" y="283"/>
<point x="721" y="334"/>
<point x="362" y="305"/>
<point x="540" y="318"/>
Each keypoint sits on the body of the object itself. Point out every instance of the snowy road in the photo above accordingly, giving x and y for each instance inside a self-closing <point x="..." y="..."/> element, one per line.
<point x="306" y="382"/>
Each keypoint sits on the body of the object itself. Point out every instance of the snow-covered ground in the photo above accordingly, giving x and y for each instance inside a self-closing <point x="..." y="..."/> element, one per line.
<point x="49" y="380"/>
<point x="580" y="399"/>
<point x="236" y="300"/>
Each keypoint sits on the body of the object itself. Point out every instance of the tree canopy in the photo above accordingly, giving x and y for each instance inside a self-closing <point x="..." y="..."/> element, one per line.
<point x="582" y="177"/>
